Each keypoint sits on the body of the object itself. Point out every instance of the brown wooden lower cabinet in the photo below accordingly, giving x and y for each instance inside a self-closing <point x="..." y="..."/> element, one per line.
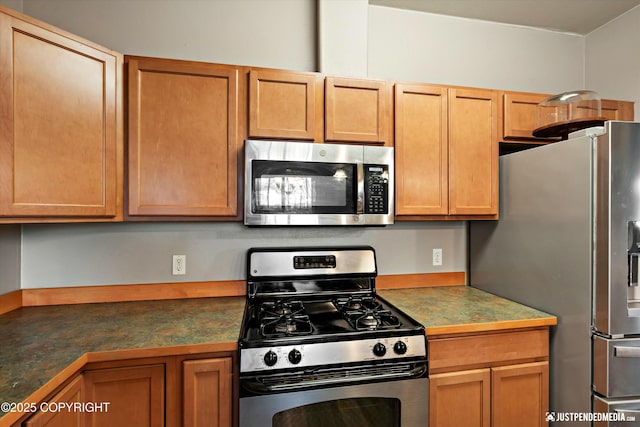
<point x="460" y="399"/>
<point x="506" y="396"/>
<point x="72" y="393"/>
<point x="195" y="390"/>
<point x="498" y="379"/>
<point x="207" y="392"/>
<point x="136" y="396"/>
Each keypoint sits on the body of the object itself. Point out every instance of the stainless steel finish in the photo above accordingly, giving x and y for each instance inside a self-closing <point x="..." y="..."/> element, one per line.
<point x="618" y="412"/>
<point x="327" y="153"/>
<point x="412" y="393"/>
<point x="264" y="264"/>
<point x="539" y="254"/>
<point x="327" y="353"/>
<point x="616" y="366"/>
<point x="562" y="245"/>
<point x="619" y="351"/>
<point x="360" y="199"/>
<point x="617" y="201"/>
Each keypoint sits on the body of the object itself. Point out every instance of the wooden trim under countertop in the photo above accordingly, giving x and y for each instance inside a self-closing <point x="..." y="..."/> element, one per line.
<point x="178" y="290"/>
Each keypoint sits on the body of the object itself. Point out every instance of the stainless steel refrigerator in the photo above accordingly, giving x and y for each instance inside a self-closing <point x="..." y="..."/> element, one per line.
<point x="568" y="243"/>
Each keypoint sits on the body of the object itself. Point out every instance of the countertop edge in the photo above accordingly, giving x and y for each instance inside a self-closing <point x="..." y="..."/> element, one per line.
<point x="434" y="331"/>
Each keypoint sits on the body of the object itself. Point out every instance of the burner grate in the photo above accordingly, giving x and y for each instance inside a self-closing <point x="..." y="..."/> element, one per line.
<point x="365" y="313"/>
<point x="283" y="319"/>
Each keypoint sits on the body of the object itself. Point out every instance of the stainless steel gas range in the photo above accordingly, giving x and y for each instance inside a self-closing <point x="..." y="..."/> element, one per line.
<point x="318" y="347"/>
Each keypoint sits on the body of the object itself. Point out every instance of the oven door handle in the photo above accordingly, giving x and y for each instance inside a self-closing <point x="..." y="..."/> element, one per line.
<point x="624" y="351"/>
<point x="257" y="384"/>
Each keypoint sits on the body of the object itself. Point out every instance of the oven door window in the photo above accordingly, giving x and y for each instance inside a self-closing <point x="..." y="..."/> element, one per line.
<point x="363" y="411"/>
<point x="303" y="187"/>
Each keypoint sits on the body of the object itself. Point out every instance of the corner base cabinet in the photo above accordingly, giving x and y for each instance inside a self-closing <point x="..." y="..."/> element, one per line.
<point x="191" y="390"/>
<point x="494" y="379"/>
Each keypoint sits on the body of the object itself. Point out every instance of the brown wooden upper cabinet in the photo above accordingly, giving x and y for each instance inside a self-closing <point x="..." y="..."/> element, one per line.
<point x="286" y="104"/>
<point x="519" y="116"/>
<point x="446" y="152"/>
<point x="421" y="150"/>
<point x="183" y="138"/>
<point x="358" y="110"/>
<point x="61" y="133"/>
<point x="617" y="110"/>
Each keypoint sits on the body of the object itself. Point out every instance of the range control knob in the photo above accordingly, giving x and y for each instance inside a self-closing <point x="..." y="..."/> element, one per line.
<point x="400" y="347"/>
<point x="270" y="358"/>
<point x="295" y="356"/>
<point x="379" y="349"/>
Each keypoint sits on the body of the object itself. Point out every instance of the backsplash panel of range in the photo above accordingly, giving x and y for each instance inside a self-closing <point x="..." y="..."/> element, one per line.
<point x="319" y="347"/>
<point x="301" y="183"/>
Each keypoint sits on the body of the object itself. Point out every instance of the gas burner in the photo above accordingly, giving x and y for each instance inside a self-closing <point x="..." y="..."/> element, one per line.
<point x="365" y="313"/>
<point x="283" y="319"/>
<point x="281" y="308"/>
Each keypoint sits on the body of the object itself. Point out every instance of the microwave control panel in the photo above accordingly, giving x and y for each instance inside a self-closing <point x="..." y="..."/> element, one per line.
<point x="376" y="189"/>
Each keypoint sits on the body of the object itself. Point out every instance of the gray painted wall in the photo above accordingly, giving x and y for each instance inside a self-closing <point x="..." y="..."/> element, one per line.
<point x="401" y="45"/>
<point x="612" y="64"/>
<point x="85" y="254"/>
<point x="10" y="237"/>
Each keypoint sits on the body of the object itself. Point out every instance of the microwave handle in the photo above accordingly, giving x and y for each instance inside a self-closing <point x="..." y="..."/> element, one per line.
<point x="360" y="189"/>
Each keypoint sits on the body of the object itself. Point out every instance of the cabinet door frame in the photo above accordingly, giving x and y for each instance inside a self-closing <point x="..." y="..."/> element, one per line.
<point x="406" y="140"/>
<point x="110" y="181"/>
<point x="502" y="396"/>
<point x="72" y="392"/>
<point x="136" y="207"/>
<point x="154" y="374"/>
<point x="463" y="175"/>
<point x="475" y="378"/>
<point x="214" y="374"/>
<point x="337" y="106"/>
<point x="312" y="126"/>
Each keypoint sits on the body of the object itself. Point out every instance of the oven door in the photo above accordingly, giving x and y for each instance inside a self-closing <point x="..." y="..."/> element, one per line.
<point x="381" y="404"/>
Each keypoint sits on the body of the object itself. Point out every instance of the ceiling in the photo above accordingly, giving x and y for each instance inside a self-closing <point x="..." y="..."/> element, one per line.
<point x="572" y="16"/>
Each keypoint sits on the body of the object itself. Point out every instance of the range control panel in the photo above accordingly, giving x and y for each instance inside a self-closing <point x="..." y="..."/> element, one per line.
<point x="376" y="189"/>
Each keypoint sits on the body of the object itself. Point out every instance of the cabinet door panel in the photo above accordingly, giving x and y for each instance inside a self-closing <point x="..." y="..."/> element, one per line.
<point x="617" y="110"/>
<point x="520" y="395"/>
<point x="136" y="395"/>
<point x="72" y="393"/>
<point x="520" y="113"/>
<point x="460" y="399"/>
<point x="473" y="152"/>
<point x="421" y="150"/>
<point x="60" y="141"/>
<point x="183" y="138"/>
<point x="207" y="392"/>
<point x="357" y="110"/>
<point x="284" y="104"/>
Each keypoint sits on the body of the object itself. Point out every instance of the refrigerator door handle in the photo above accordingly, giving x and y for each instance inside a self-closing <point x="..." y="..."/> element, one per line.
<point x="620" y="351"/>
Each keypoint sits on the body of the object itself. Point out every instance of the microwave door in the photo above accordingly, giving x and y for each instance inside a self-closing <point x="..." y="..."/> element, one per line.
<point x="303" y="188"/>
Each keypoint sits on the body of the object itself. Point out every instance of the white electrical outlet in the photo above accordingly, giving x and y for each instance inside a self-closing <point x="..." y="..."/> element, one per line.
<point x="437" y="256"/>
<point x="179" y="265"/>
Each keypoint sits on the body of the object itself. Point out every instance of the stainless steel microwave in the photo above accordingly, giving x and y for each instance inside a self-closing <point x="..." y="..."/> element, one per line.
<point x="302" y="183"/>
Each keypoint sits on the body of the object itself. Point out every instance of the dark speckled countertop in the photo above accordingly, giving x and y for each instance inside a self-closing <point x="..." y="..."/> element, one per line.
<point x="461" y="309"/>
<point x="37" y="343"/>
